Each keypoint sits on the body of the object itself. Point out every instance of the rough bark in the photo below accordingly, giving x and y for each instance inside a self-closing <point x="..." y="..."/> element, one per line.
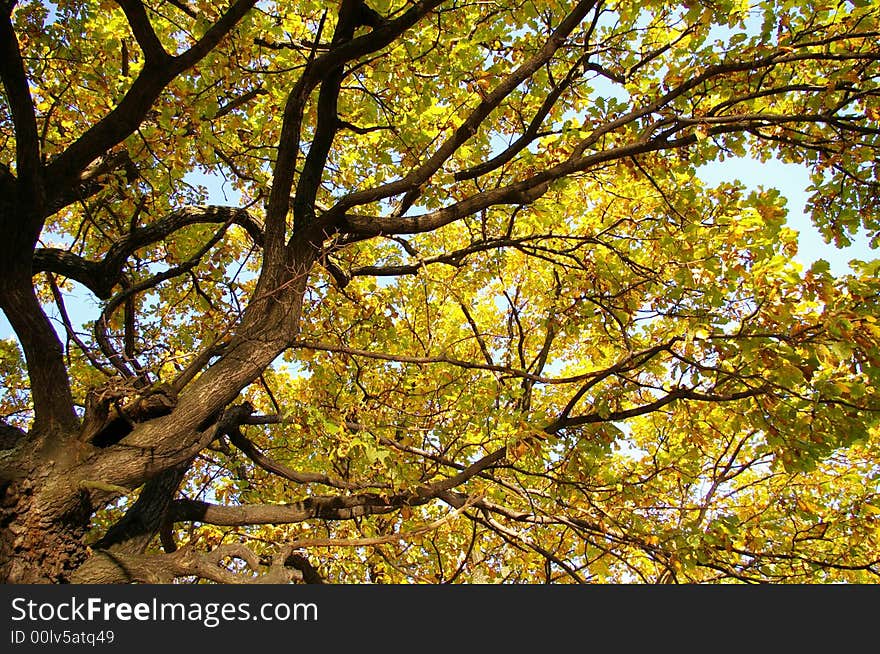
<point x="42" y="524"/>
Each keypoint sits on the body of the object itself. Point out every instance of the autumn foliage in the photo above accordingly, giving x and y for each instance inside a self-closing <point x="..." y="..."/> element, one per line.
<point x="468" y="312"/>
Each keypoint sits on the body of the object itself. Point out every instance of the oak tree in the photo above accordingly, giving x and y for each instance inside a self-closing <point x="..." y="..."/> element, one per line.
<point x="468" y="314"/>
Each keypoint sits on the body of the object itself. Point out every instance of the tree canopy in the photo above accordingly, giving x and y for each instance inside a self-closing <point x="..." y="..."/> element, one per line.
<point x="469" y="313"/>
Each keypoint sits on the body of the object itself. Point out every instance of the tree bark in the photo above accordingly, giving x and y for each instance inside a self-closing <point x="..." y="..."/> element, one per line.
<point x="48" y="494"/>
<point x="42" y="523"/>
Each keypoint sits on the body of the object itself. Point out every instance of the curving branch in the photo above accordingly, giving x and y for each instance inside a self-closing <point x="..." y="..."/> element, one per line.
<point x="410" y="183"/>
<point x="131" y="290"/>
<point x="143" y="520"/>
<point x="531" y="133"/>
<point x="136" y="15"/>
<point x="15" y="83"/>
<point x="230" y="425"/>
<point x="101" y="277"/>
<point x="63" y="172"/>
<point x="630" y="362"/>
<point x="71" y="332"/>
<point x="237" y="438"/>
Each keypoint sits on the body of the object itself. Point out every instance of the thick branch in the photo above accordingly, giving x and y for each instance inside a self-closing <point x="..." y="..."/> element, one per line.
<point x="472" y="123"/>
<point x="134" y="532"/>
<point x="521" y="192"/>
<point x="327" y="123"/>
<point x="113" y="568"/>
<point x="15" y="83"/>
<point x="325" y="508"/>
<point x="143" y="32"/>
<point x="132" y="109"/>
<point x="518" y="193"/>
<point x="266" y="328"/>
<point x="288" y="146"/>
<point x="54" y="415"/>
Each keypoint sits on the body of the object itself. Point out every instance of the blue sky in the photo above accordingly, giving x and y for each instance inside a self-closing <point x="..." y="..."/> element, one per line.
<point x="792" y="181"/>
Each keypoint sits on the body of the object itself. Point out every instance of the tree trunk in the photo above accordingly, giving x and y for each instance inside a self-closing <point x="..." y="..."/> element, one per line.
<point x="51" y="481"/>
<point x="42" y="523"/>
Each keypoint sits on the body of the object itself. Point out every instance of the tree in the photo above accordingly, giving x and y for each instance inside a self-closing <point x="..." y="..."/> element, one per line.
<point x="470" y="313"/>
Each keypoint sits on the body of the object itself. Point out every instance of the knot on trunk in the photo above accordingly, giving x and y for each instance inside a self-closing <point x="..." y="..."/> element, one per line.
<point x="114" y="409"/>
